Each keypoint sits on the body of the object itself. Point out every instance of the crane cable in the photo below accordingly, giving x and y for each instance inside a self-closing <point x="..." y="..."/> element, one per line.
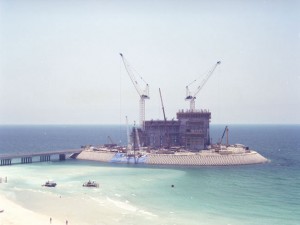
<point x="134" y="71"/>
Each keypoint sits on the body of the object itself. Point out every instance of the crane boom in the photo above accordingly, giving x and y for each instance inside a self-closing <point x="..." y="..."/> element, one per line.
<point x="111" y="141"/>
<point x="144" y="94"/>
<point x="133" y="79"/>
<point x="192" y="96"/>
<point x="225" y="131"/>
<point x="165" y="120"/>
<point x="162" y="105"/>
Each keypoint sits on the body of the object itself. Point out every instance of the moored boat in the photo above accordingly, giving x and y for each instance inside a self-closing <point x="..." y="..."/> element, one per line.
<point x="49" y="184"/>
<point x="90" y="184"/>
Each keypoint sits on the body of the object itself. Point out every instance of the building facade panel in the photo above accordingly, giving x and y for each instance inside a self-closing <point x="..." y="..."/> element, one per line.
<point x="190" y="130"/>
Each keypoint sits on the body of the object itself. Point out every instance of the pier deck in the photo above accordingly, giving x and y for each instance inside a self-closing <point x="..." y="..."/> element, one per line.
<point x="30" y="157"/>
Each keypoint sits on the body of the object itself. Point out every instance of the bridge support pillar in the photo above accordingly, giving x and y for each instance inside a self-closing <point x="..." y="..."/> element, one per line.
<point x="45" y="158"/>
<point x="26" y="160"/>
<point x="62" y="157"/>
<point x="5" y="162"/>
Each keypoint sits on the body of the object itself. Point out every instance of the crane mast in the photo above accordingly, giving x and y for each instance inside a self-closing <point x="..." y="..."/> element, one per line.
<point x="192" y="96"/>
<point x="144" y="94"/>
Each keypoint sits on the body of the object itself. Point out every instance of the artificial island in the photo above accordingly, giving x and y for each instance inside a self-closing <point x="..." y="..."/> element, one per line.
<point x="181" y="141"/>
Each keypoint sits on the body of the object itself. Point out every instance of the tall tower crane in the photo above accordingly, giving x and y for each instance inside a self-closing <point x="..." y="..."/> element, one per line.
<point x="144" y="94"/>
<point x="191" y="96"/>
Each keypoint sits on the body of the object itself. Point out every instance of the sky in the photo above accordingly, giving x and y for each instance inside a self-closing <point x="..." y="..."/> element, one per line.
<point x="60" y="62"/>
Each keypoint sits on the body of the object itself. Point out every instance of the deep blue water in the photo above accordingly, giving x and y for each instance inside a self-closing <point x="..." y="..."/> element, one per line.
<point x="279" y="143"/>
<point x="47" y="137"/>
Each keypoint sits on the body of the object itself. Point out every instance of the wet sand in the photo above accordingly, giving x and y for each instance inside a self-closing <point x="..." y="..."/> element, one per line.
<point x="15" y="214"/>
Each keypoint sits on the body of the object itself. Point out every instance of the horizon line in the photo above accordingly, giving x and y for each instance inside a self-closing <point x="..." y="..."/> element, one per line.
<point x="104" y="124"/>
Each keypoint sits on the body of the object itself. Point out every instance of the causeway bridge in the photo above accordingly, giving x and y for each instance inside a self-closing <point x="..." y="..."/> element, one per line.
<point x="45" y="156"/>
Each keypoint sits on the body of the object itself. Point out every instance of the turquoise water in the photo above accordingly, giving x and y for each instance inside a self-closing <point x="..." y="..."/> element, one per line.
<point x="139" y="194"/>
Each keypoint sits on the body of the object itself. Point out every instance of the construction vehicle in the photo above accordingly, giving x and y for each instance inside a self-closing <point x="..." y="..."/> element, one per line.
<point x="191" y="96"/>
<point x="144" y="94"/>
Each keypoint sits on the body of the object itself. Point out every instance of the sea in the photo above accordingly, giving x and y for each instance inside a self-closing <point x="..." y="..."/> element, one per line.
<point x="261" y="194"/>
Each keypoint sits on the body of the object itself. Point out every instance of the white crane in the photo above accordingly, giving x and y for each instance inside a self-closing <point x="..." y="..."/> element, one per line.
<point x="191" y="96"/>
<point x="144" y="94"/>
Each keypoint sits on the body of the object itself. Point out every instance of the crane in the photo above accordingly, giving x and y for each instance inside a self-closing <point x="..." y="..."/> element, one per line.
<point x="129" y="146"/>
<point x="162" y="105"/>
<point x="165" y="119"/>
<point x="225" y="131"/>
<point x="192" y="96"/>
<point x="111" y="141"/>
<point x="144" y="94"/>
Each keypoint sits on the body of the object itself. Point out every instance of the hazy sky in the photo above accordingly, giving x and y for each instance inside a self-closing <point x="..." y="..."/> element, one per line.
<point x="60" y="63"/>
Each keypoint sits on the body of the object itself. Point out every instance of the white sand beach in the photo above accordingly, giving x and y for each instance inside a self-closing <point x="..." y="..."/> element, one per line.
<point x="14" y="214"/>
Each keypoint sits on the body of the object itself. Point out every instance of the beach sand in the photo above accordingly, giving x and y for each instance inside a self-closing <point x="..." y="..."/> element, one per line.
<point x="17" y="215"/>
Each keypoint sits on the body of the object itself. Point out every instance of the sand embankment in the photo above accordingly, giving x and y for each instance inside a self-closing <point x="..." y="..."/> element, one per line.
<point x="96" y="155"/>
<point x="15" y="214"/>
<point x="206" y="159"/>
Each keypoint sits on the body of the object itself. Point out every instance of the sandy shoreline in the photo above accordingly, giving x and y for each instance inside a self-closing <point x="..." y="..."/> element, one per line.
<point x="15" y="214"/>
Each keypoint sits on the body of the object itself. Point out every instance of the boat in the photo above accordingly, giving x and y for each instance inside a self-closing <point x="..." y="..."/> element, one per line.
<point x="90" y="184"/>
<point x="49" y="184"/>
<point x="1" y="210"/>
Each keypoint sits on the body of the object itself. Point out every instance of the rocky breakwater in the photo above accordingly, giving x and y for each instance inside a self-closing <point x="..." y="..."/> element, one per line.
<point x="206" y="159"/>
<point x="221" y="156"/>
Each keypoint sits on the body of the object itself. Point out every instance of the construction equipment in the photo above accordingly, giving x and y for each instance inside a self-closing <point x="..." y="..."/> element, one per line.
<point x="112" y="144"/>
<point x="165" y="119"/>
<point x="129" y="145"/>
<point x="136" y="143"/>
<point x="111" y="141"/>
<point x="191" y="96"/>
<point x="162" y="104"/>
<point x="144" y="94"/>
<point x="225" y="131"/>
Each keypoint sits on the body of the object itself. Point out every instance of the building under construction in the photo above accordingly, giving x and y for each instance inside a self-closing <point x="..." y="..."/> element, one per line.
<point x="190" y="131"/>
<point x="175" y="142"/>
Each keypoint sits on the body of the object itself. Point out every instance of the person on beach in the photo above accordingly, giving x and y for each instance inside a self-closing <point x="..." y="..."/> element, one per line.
<point x="66" y="222"/>
<point x="50" y="220"/>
